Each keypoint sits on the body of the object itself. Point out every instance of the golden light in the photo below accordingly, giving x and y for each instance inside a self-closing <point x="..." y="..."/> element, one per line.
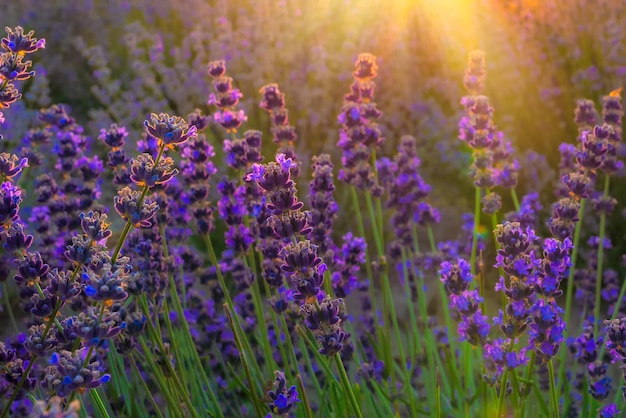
<point x="449" y="19"/>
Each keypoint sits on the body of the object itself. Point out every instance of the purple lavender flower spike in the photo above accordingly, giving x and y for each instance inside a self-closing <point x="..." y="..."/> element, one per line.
<point x="359" y="133"/>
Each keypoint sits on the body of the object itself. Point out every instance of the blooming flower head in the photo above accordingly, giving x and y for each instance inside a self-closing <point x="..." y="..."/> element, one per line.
<point x="11" y="165"/>
<point x="145" y="173"/>
<point x="365" y="67"/>
<point x="217" y="68"/>
<point x="114" y="136"/>
<point x="230" y="120"/>
<point x="14" y="68"/>
<point x="21" y="43"/>
<point x="127" y="206"/>
<point x="282" y="399"/>
<point x="616" y="338"/>
<point x="66" y="374"/>
<point x="475" y="73"/>
<point x="169" y="130"/>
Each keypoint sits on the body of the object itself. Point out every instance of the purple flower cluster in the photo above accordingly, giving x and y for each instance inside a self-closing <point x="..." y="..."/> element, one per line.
<point x="282" y="399"/>
<point x="530" y="277"/>
<point x="114" y="138"/>
<point x="457" y="278"/>
<point x="197" y="170"/>
<point x="225" y="98"/>
<point x="517" y="260"/>
<point x="359" y="134"/>
<point x="12" y="65"/>
<point x="323" y="205"/>
<point x="612" y="114"/>
<point x="284" y="134"/>
<point x="67" y="373"/>
<point x="301" y="264"/>
<point x="346" y="264"/>
<point x="529" y="212"/>
<point x="407" y="192"/>
<point x="492" y="164"/>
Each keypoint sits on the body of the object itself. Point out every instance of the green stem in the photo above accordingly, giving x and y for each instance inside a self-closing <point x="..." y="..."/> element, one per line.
<point x="553" y="394"/>
<point x="570" y="295"/>
<point x="599" y="271"/>
<point x="120" y="242"/>
<point x="229" y="300"/>
<point x="172" y="403"/>
<point x="540" y="400"/>
<point x="155" y="337"/>
<point x="380" y="332"/>
<point x="95" y="398"/>
<point x="145" y="387"/>
<point x="445" y="302"/>
<point x="347" y="386"/>
<point x="502" y="395"/>
<point x="258" y="308"/>
<point x="515" y="200"/>
<point x="305" y="398"/>
<point x="438" y="395"/>
<point x="7" y="303"/>
<point x="528" y="376"/>
<point x="431" y="347"/>
<point x="368" y="264"/>
<point x="475" y="233"/>
<point x="244" y="362"/>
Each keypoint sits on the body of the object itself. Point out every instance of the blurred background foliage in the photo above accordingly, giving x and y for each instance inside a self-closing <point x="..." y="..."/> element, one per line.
<point x="118" y="60"/>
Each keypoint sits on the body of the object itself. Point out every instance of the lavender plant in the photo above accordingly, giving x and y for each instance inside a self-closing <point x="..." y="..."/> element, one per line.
<point x="214" y="288"/>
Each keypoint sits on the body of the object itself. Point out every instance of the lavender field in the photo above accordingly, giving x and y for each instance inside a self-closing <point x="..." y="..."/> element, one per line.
<point x="297" y="208"/>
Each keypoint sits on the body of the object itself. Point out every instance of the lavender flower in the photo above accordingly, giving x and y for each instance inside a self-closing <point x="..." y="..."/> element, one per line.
<point x="170" y="131"/>
<point x="21" y="43"/>
<point x="226" y="99"/>
<point x="616" y="338"/>
<point x="282" y="400"/>
<point x="126" y="205"/>
<point x="144" y="172"/>
<point x="499" y="357"/>
<point x="323" y="205"/>
<point x="284" y="134"/>
<point x="359" y="133"/>
<point x="66" y="374"/>
<point x="325" y="322"/>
